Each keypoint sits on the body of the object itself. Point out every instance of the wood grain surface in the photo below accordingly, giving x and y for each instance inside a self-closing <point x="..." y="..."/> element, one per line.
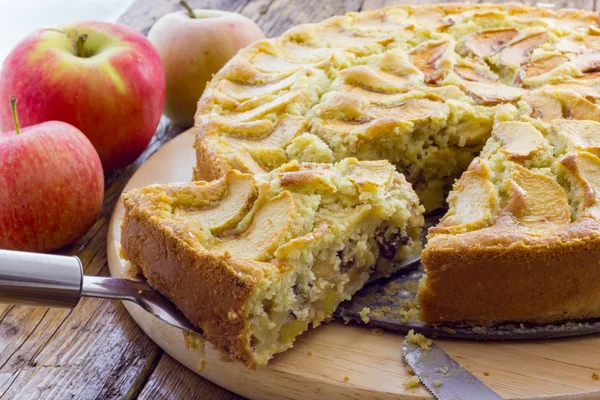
<point x="96" y="351"/>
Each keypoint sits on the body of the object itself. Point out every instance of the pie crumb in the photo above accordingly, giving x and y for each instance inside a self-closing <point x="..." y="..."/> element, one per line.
<point x="194" y="341"/>
<point x="595" y="376"/>
<point x="417" y="338"/>
<point x="486" y="374"/>
<point x="377" y="331"/>
<point x="201" y="365"/>
<point x="346" y="379"/>
<point x="310" y="352"/>
<point x="437" y="383"/>
<point x="411" y="382"/>
<point x="363" y="314"/>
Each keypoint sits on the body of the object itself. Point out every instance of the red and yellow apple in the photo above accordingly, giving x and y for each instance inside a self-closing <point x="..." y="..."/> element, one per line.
<point x="105" y="79"/>
<point x="193" y="46"/>
<point x="51" y="186"/>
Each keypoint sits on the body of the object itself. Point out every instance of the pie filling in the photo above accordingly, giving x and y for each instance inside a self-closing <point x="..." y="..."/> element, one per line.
<point x="324" y="274"/>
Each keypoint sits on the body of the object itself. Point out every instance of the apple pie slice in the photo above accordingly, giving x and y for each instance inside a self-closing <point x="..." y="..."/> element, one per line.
<point x="253" y="260"/>
<point x="521" y="239"/>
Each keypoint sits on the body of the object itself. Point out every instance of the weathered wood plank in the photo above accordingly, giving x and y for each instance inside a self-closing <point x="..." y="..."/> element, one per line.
<point x="171" y="377"/>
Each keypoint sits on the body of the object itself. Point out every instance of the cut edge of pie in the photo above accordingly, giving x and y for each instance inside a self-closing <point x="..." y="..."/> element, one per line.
<point x="253" y="260"/>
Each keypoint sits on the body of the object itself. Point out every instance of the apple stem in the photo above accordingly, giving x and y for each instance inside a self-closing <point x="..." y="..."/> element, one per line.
<point x="13" y="109"/>
<point x="80" y="42"/>
<point x="187" y="7"/>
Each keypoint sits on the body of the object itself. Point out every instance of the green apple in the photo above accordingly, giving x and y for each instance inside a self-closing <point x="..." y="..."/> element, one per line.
<point x="193" y="45"/>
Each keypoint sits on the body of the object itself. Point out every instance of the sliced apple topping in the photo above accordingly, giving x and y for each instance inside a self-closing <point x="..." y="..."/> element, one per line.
<point x="470" y="73"/>
<point x="485" y="43"/>
<point x="270" y="63"/>
<point x="517" y="53"/>
<point x="430" y="17"/>
<point x="427" y="58"/>
<point x="373" y="97"/>
<point x="585" y="169"/>
<point x="520" y="140"/>
<point x="243" y="161"/>
<point x="537" y="202"/>
<point x="337" y="35"/>
<point x="567" y="135"/>
<point x="472" y="203"/>
<point x="395" y="61"/>
<point x="411" y="110"/>
<point x="215" y="125"/>
<point x="278" y="104"/>
<point x="568" y="45"/>
<point x="225" y="213"/>
<point x="584" y="89"/>
<point x="381" y="20"/>
<point x="370" y="174"/>
<point x="492" y="93"/>
<point x="271" y="226"/>
<point x="343" y="106"/>
<point x="371" y="78"/>
<point x="544" y="105"/>
<point x="584" y="110"/>
<point x="284" y="132"/>
<point x="307" y="178"/>
<point x="592" y="42"/>
<point x="587" y="62"/>
<point x="242" y="92"/>
<point x="541" y="66"/>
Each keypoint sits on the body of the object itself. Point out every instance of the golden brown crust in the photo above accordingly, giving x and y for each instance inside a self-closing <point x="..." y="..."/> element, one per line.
<point x="209" y="165"/>
<point x="212" y="292"/>
<point x="500" y="275"/>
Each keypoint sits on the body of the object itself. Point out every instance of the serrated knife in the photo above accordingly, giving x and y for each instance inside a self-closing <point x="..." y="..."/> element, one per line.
<point x="445" y="378"/>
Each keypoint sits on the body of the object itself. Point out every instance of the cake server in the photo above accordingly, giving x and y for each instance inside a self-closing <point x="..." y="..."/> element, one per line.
<point x="443" y="376"/>
<point x="48" y="280"/>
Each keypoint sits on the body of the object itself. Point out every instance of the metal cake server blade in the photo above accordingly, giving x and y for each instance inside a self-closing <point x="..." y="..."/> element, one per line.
<point x="49" y="280"/>
<point x="443" y="376"/>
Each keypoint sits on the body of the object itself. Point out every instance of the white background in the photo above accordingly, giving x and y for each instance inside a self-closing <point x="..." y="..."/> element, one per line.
<point x="20" y="17"/>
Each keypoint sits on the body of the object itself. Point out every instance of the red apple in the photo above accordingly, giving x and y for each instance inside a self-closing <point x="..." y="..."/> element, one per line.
<point x="193" y="46"/>
<point x="51" y="186"/>
<point x="105" y="79"/>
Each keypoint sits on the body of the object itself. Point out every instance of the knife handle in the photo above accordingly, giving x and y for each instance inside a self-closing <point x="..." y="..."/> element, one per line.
<point x="40" y="279"/>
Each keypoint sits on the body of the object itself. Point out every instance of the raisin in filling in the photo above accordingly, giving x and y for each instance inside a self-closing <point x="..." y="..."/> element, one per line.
<point x="388" y="247"/>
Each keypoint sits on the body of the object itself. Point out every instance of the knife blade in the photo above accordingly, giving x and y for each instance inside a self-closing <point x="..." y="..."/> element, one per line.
<point x="443" y="376"/>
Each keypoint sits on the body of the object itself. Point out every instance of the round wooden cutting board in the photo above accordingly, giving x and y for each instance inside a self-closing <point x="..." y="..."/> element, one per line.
<point x="349" y="361"/>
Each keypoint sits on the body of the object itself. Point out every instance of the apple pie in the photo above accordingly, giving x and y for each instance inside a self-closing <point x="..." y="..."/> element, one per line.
<point x="504" y="97"/>
<point x="252" y="260"/>
<point x="521" y="239"/>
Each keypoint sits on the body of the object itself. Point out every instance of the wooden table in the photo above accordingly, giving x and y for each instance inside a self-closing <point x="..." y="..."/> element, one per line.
<point x="96" y="351"/>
